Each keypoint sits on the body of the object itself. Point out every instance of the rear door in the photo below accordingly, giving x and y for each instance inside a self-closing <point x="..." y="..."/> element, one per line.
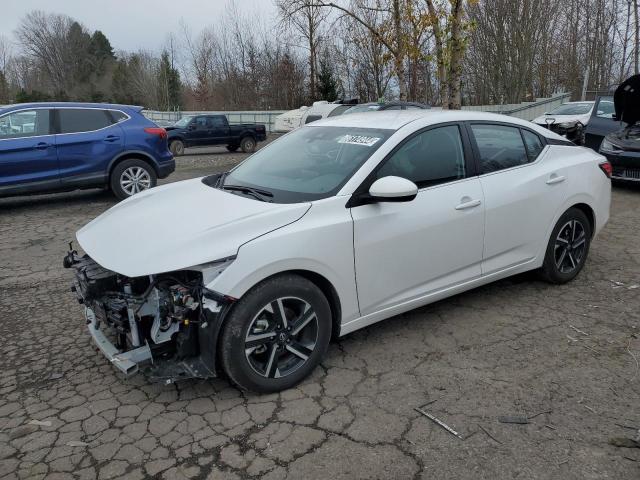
<point x="522" y="193"/>
<point x="601" y="123"/>
<point x="28" y="158"/>
<point x="87" y="140"/>
<point x="218" y="130"/>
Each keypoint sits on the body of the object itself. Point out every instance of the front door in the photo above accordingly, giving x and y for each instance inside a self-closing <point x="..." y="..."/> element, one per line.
<point x="28" y="158"/>
<point x="404" y="251"/>
<point x="198" y="132"/>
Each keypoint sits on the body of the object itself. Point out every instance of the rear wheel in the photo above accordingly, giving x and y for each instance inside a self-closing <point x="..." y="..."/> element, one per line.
<point x="248" y="145"/>
<point x="132" y="176"/>
<point x="232" y="148"/>
<point x="276" y="334"/>
<point x="176" y="147"/>
<point x="568" y="247"/>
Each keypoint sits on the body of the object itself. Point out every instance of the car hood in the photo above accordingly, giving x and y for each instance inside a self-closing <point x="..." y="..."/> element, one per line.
<point x="178" y="226"/>
<point x="627" y="139"/>
<point x="562" y="119"/>
<point x="626" y="100"/>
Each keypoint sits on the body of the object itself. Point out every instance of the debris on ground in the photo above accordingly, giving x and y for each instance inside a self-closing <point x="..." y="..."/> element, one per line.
<point x="76" y="443"/>
<point x="624" y="442"/>
<point x="439" y="422"/>
<point x="519" y="419"/>
<point x="489" y="435"/>
<point x="40" y="423"/>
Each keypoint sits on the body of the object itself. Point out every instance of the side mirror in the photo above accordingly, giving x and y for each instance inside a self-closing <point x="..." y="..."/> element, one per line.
<point x="393" y="189"/>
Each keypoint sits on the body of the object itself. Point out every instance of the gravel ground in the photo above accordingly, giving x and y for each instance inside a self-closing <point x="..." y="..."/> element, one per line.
<point x="565" y="356"/>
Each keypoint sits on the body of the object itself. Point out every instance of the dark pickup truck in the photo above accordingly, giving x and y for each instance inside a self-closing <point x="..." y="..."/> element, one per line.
<point x="206" y="130"/>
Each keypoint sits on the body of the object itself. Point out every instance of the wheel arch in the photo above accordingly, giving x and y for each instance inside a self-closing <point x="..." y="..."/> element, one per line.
<point x="132" y="154"/>
<point x="323" y="283"/>
<point x="590" y="214"/>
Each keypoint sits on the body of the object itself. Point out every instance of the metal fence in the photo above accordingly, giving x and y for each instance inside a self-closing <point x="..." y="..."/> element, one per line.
<point x="525" y="110"/>
<point x="268" y="118"/>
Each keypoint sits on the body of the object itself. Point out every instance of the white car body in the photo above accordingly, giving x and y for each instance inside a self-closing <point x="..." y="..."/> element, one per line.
<point x="290" y="120"/>
<point x="382" y="259"/>
<point x="565" y="119"/>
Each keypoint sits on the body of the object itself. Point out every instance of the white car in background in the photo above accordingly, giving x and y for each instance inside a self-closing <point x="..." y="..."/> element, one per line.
<point x="568" y="120"/>
<point x="331" y="228"/>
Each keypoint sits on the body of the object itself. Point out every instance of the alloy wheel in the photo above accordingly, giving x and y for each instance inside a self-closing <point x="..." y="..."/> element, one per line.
<point x="134" y="180"/>
<point x="570" y="246"/>
<point x="281" y="337"/>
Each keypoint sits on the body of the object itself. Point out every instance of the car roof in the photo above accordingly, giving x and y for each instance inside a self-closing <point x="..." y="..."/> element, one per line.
<point x="396" y="119"/>
<point x="68" y="105"/>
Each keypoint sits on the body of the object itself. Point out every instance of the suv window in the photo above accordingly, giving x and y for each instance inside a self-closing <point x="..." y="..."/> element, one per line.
<point x="533" y="143"/>
<point x="500" y="147"/>
<point x="25" y="123"/>
<point x="432" y="157"/>
<point x="76" y="120"/>
<point x="118" y="116"/>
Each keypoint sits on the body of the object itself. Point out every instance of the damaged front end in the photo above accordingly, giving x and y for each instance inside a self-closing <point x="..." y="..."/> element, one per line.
<point x="168" y="322"/>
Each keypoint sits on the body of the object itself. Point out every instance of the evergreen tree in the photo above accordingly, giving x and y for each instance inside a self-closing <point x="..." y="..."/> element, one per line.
<point x="168" y="84"/>
<point x="327" y="82"/>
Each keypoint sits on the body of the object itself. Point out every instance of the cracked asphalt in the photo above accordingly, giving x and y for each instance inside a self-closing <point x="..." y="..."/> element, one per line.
<point x="565" y="356"/>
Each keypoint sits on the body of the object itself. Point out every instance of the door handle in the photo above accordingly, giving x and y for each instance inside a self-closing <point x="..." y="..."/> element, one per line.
<point x="42" y="146"/>
<point x="468" y="204"/>
<point x="553" y="179"/>
<point x="111" y="138"/>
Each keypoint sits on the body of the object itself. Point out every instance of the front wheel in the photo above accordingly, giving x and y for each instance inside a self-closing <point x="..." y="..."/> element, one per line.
<point x="248" y="145"/>
<point x="276" y="334"/>
<point x="132" y="176"/>
<point x="177" y="147"/>
<point x="568" y="247"/>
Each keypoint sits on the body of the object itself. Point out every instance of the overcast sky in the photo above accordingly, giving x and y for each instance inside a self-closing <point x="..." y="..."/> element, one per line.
<point x="133" y="24"/>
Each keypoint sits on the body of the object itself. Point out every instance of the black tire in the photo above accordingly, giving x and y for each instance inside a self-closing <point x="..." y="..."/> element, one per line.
<point x="568" y="247"/>
<point x="232" y="148"/>
<point x="267" y="364"/>
<point x="126" y="170"/>
<point x="176" y="147"/>
<point x="248" y="144"/>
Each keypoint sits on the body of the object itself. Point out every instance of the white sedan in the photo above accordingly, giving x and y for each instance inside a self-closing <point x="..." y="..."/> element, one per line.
<point x="333" y="227"/>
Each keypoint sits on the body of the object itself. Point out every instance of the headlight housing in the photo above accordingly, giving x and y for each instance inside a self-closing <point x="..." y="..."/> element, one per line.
<point x="568" y="124"/>
<point x="607" y="146"/>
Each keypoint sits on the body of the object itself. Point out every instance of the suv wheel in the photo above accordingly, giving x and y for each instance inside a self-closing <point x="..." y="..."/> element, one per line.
<point x="568" y="247"/>
<point x="248" y="145"/>
<point x="132" y="176"/>
<point x="276" y="334"/>
<point x="177" y="147"/>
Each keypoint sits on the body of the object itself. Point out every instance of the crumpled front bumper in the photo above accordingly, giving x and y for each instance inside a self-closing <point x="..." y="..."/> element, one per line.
<point x="127" y="362"/>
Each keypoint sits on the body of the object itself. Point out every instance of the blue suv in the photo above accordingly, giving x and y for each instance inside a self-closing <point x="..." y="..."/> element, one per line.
<point x="51" y="147"/>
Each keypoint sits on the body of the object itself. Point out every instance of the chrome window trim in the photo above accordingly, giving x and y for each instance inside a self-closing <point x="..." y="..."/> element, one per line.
<point x="26" y="109"/>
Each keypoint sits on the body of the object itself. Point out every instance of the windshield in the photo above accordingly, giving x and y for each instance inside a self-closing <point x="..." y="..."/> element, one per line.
<point x="309" y="163"/>
<point x="572" y="109"/>
<point x="184" y="121"/>
<point x="363" y="108"/>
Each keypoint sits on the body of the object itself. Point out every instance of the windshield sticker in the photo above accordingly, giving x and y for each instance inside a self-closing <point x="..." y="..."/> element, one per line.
<point x="359" y="140"/>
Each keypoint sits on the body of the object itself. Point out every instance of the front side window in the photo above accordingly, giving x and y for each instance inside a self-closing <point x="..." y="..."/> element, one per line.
<point x="499" y="147"/>
<point x="76" y="120"/>
<point x="201" y="123"/>
<point x="429" y="158"/>
<point x="309" y="163"/>
<point x="25" y="123"/>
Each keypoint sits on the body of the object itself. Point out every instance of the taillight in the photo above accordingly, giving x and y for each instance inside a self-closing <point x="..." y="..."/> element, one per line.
<point x="161" y="132"/>
<point x="606" y="168"/>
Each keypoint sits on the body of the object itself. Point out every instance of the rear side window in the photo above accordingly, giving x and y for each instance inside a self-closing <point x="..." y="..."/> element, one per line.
<point x="499" y="147"/>
<point x="312" y="118"/>
<point x="606" y="108"/>
<point x="533" y="143"/>
<point x="25" y="123"/>
<point x="118" y="116"/>
<point x="78" y="120"/>
<point x="216" y="122"/>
